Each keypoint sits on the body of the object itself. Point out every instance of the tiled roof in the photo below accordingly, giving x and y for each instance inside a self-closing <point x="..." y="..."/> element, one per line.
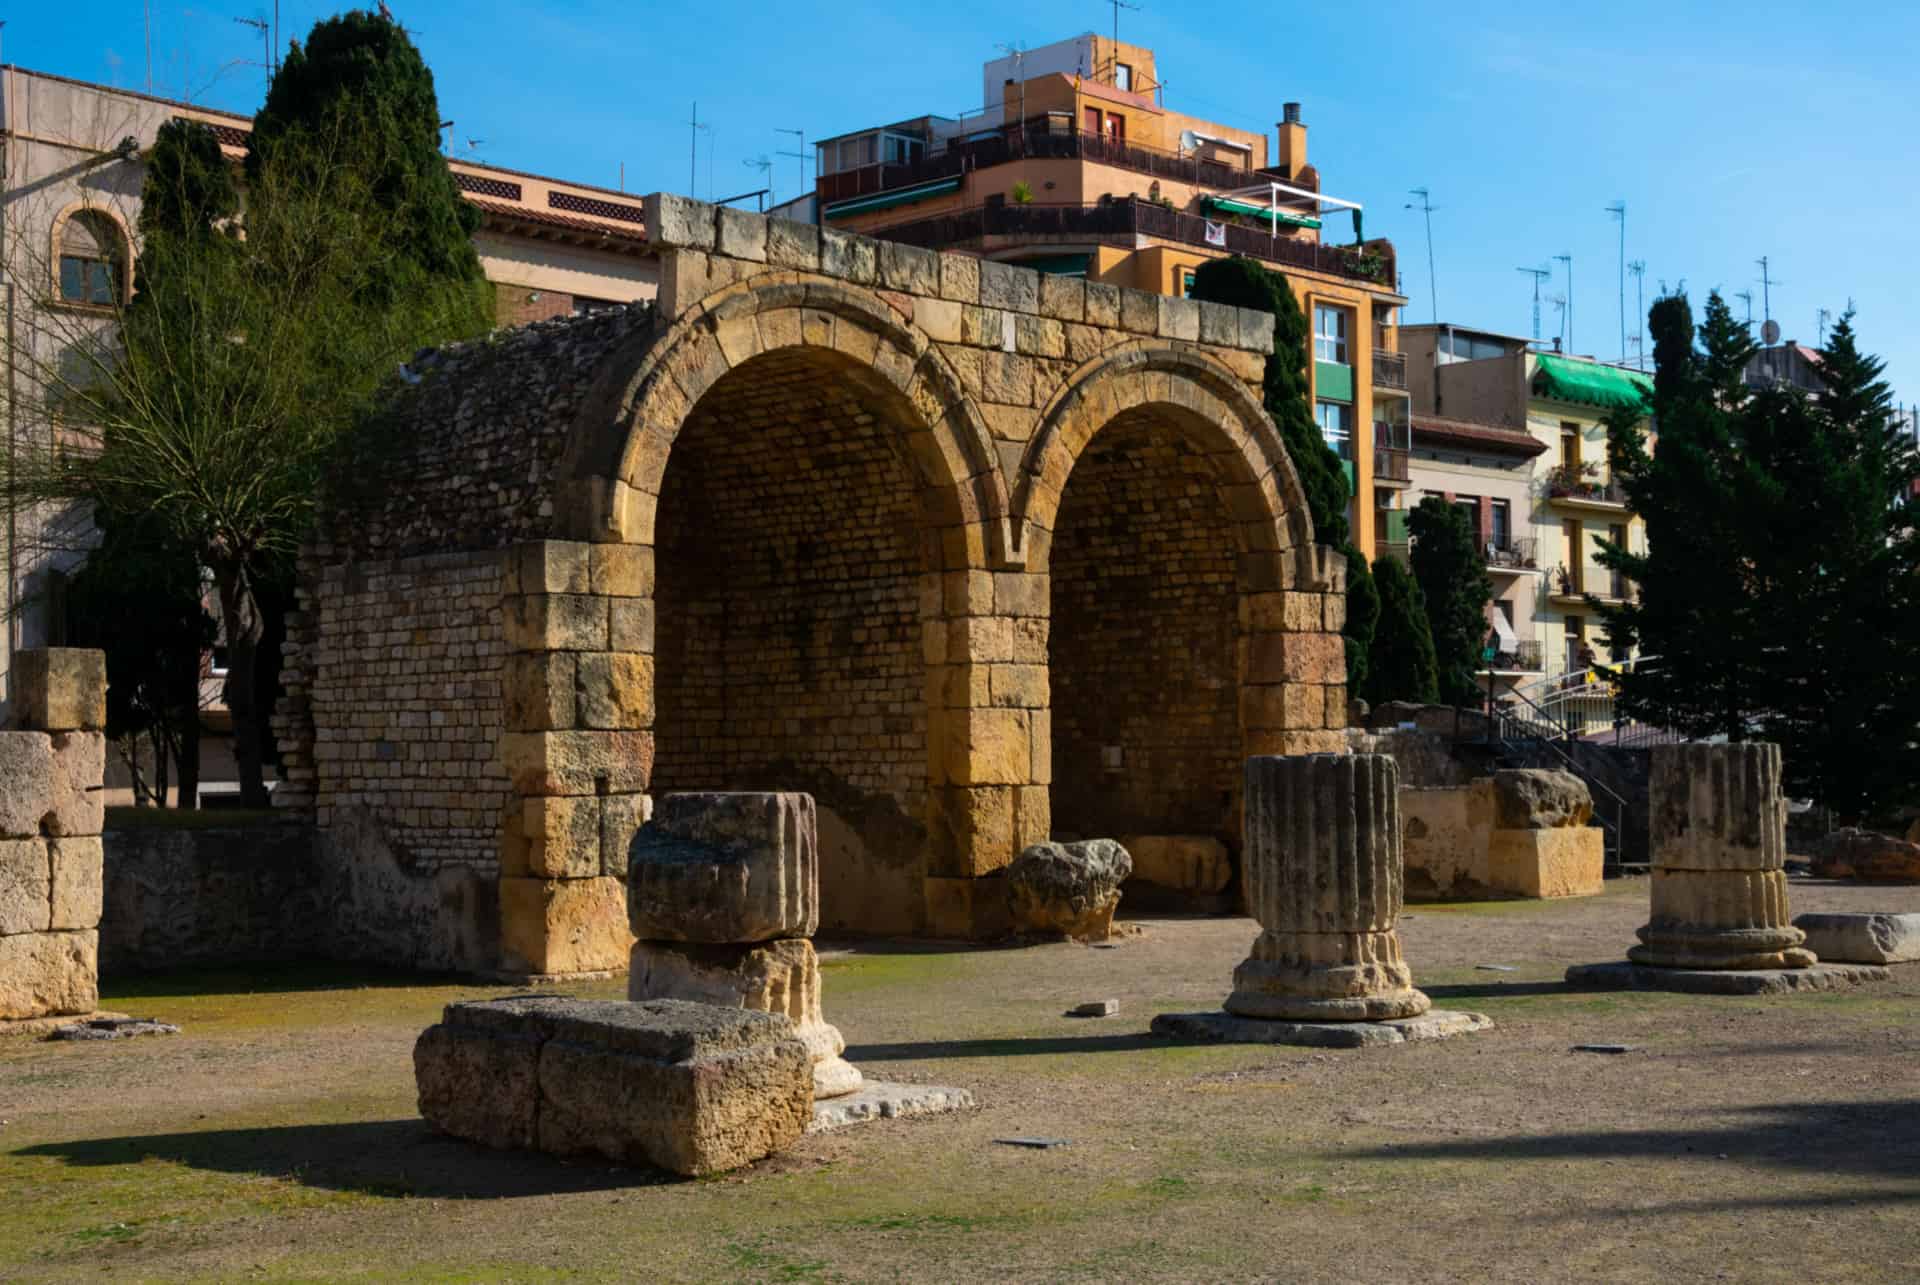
<point x="546" y="218"/>
<point x="1461" y="432"/>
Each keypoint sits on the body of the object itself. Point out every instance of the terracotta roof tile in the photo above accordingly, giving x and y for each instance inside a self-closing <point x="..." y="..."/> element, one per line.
<point x="547" y="218"/>
<point x="1461" y="432"/>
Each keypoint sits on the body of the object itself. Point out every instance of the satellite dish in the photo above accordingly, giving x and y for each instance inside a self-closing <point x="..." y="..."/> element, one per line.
<point x="1770" y="333"/>
<point x="1189" y="141"/>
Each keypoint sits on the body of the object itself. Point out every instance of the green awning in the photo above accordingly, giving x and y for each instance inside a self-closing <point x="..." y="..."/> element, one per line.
<point x="887" y="200"/>
<point x="1588" y="383"/>
<point x="1260" y="212"/>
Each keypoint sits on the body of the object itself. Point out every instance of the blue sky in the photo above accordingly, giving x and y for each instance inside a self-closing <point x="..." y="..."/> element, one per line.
<point x="1731" y="130"/>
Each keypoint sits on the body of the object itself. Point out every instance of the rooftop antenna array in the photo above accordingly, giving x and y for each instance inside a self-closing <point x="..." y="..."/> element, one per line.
<point x="1746" y="297"/>
<point x="1639" y="270"/>
<point x="1767" y="282"/>
<point x="1538" y="275"/>
<point x="1426" y="207"/>
<point x="1619" y="211"/>
<point x="1567" y="329"/>
<point x="693" y="151"/>
<point x="1019" y="56"/>
<point x="1118" y="5"/>
<point x="764" y="164"/>
<point x="266" y="40"/>
<point x="799" y="155"/>
<point x="1825" y="317"/>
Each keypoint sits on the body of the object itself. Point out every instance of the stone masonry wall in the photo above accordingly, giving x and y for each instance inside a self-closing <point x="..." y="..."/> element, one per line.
<point x="406" y="700"/>
<point x="1145" y="611"/>
<point x="51" y="765"/>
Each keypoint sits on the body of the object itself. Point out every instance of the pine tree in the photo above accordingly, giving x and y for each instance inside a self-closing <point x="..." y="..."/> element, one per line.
<point x="1456" y="589"/>
<point x="1244" y="283"/>
<point x="1400" y="666"/>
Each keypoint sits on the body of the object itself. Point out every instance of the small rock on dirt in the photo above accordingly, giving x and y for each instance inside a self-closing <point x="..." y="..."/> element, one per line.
<point x="114" y="1028"/>
<point x="1095" y="1008"/>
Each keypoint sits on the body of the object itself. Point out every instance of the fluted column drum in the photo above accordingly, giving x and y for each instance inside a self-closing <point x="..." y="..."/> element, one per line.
<point x="1325" y="879"/>
<point x="1719" y="821"/>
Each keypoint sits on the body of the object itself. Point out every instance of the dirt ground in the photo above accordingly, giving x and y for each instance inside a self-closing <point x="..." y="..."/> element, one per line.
<point x="1742" y="1139"/>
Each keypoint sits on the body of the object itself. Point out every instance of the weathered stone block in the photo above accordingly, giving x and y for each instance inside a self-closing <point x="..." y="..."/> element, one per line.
<point x="43" y="974"/>
<point x="577" y="762"/>
<point x="854" y="258"/>
<point x="1866" y="856"/>
<point x="1063" y="298"/>
<point x="725" y="868"/>
<point x="548" y="566"/>
<point x="992" y="748"/>
<point x="563" y="836"/>
<point x="78" y="873"/>
<point x="691" y="1088"/>
<point x="960" y="278"/>
<point x="742" y="234"/>
<point x="1004" y="286"/>
<point x="615" y="690"/>
<point x="77" y="804"/>
<point x="939" y="318"/>
<point x="621" y="816"/>
<point x="630" y="625"/>
<point x="537" y="691"/>
<point x="26" y="782"/>
<point x="1103" y="304"/>
<point x="1069" y="889"/>
<point x="1179" y="318"/>
<point x="1862" y="938"/>
<point x="1185" y="862"/>
<point x="1139" y="311"/>
<point x="60" y="689"/>
<point x="622" y="570"/>
<point x="26" y="892"/>
<point x="1717" y="807"/>
<point x="1565" y="862"/>
<point x="551" y="926"/>
<point x="1534" y="799"/>
<point x="793" y="245"/>
<point x="678" y="221"/>
<point x="555" y="622"/>
<point x="909" y="269"/>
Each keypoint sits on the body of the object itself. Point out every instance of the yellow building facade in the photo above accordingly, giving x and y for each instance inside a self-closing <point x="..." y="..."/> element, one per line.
<point x="1075" y="165"/>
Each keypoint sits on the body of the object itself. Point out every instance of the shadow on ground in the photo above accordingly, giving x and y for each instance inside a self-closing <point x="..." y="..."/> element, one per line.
<point x="1013" y="1046"/>
<point x="394" y="1158"/>
<point x="276" y="978"/>
<point x="1877" y="1140"/>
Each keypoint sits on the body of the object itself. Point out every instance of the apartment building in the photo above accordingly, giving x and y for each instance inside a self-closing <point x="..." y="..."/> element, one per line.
<point x="1075" y="164"/>
<point x="71" y="172"/>
<point x="1518" y="436"/>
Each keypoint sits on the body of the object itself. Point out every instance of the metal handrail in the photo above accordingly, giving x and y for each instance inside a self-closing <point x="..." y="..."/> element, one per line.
<point x="1546" y="732"/>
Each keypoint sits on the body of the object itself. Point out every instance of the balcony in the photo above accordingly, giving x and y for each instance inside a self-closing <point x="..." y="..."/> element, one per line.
<point x="1569" y="485"/>
<point x="1573" y="584"/>
<point x="1391" y="464"/>
<point x="1526" y="657"/>
<point x="1508" y="555"/>
<point x="1389" y="370"/>
<point x="1120" y="222"/>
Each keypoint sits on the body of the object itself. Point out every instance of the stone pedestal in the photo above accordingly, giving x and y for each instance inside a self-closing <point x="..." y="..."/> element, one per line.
<point x="1324" y="879"/>
<point x="1719" y="849"/>
<point x="723" y="893"/>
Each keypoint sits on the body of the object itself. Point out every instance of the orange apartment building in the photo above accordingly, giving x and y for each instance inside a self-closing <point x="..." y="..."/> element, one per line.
<point x="1077" y="166"/>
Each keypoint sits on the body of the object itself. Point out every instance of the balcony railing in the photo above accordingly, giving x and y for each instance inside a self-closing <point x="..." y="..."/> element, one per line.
<point x="1039" y="138"/>
<point x="1390" y="464"/>
<point x="1122" y="220"/>
<point x="1389" y="369"/>
<point x="1608" y="586"/>
<point x="1525" y="655"/>
<point x="1510" y="553"/>
<point x="1584" y="484"/>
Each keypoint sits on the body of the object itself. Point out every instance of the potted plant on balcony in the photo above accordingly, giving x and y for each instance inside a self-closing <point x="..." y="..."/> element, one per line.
<point x="1022" y="193"/>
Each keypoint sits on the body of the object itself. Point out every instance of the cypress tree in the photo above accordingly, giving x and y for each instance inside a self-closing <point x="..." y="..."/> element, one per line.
<point x="1400" y="666"/>
<point x="1456" y="589"/>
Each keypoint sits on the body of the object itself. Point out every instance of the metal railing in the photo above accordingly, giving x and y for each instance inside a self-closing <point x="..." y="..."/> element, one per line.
<point x="1607" y="586"/>
<point x="1518" y="722"/>
<point x="1510" y="553"/>
<point x="1564" y="482"/>
<point x="1389" y="369"/>
<point x="1526" y="655"/>
<point x="1124" y="219"/>
<point x="1390" y="464"/>
<point x="1583" y="701"/>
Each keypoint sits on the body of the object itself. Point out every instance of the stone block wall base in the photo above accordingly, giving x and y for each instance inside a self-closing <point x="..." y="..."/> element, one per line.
<point x="1565" y="862"/>
<point x="883" y="1100"/>
<point x="967" y="909"/>
<point x="1229" y="1028"/>
<point x="46" y="1025"/>
<point x="1722" y="981"/>
<point x="1690" y="946"/>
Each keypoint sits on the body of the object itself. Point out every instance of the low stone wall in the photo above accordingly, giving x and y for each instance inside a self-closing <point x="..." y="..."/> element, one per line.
<point x="277" y="890"/>
<point x="1445" y="841"/>
<point x="1490" y="839"/>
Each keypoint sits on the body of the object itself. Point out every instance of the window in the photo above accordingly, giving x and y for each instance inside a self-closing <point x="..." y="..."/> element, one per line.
<point x="1576" y="643"/>
<point x="1186" y="284"/>
<point x="1470" y="347"/>
<point x="91" y="257"/>
<point x="1502" y="522"/>
<point x="1122" y="76"/>
<point x="900" y="150"/>
<point x="1575" y="580"/>
<point x="1570" y="447"/>
<point x="1336" y="425"/>
<point x="1116" y="128"/>
<point x="1330" y="329"/>
<point x="1093" y="121"/>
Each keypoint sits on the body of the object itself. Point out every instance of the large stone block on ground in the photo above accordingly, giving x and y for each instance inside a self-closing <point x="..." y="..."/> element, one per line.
<point x="1568" y="862"/>
<point x="692" y="1088"/>
<point x="60" y="689"/>
<point x="1067" y="889"/>
<point x="1862" y="938"/>
<point x="1533" y="799"/>
<point x="49" y="973"/>
<point x="551" y="926"/>
<point x="26" y="783"/>
<point x="1865" y="856"/>
<point x="725" y="868"/>
<point x="771" y="977"/>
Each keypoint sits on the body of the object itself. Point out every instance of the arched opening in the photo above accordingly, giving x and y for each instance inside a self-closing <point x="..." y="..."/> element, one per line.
<point x="1143" y="662"/>
<point x="790" y="554"/>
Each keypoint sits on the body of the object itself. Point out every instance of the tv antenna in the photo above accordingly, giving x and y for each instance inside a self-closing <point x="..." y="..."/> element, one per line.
<point x="764" y="164"/>
<point x="1746" y="297"/>
<point x="1619" y="211"/>
<point x="1767" y="283"/>
<point x="693" y="149"/>
<point x="1426" y="207"/>
<point x="1118" y="5"/>
<point x="266" y="40"/>
<point x="474" y="145"/>
<point x="1559" y="303"/>
<point x="799" y="155"/>
<point x="1825" y="317"/>
<point x="1639" y="270"/>
<point x="1538" y="275"/>
<point x="1568" y="260"/>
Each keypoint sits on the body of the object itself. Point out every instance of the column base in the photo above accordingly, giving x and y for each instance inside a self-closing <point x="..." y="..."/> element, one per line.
<point x="1667" y="945"/>
<point x="1325" y="977"/>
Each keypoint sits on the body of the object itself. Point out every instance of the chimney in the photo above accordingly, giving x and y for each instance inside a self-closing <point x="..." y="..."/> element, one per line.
<point x="1293" y="142"/>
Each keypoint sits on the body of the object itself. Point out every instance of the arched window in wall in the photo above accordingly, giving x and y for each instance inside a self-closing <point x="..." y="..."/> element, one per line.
<point x="92" y="253"/>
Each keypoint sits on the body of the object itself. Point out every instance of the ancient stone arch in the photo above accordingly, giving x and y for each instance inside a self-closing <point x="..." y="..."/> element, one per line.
<point x="800" y="521"/>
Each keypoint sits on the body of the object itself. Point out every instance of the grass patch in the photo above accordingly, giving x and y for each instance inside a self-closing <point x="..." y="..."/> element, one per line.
<point x="771" y="1265"/>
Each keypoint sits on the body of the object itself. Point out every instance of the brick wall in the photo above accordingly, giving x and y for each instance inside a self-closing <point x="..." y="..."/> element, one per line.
<point x="406" y="704"/>
<point x="521" y="305"/>
<point x="1144" y="615"/>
